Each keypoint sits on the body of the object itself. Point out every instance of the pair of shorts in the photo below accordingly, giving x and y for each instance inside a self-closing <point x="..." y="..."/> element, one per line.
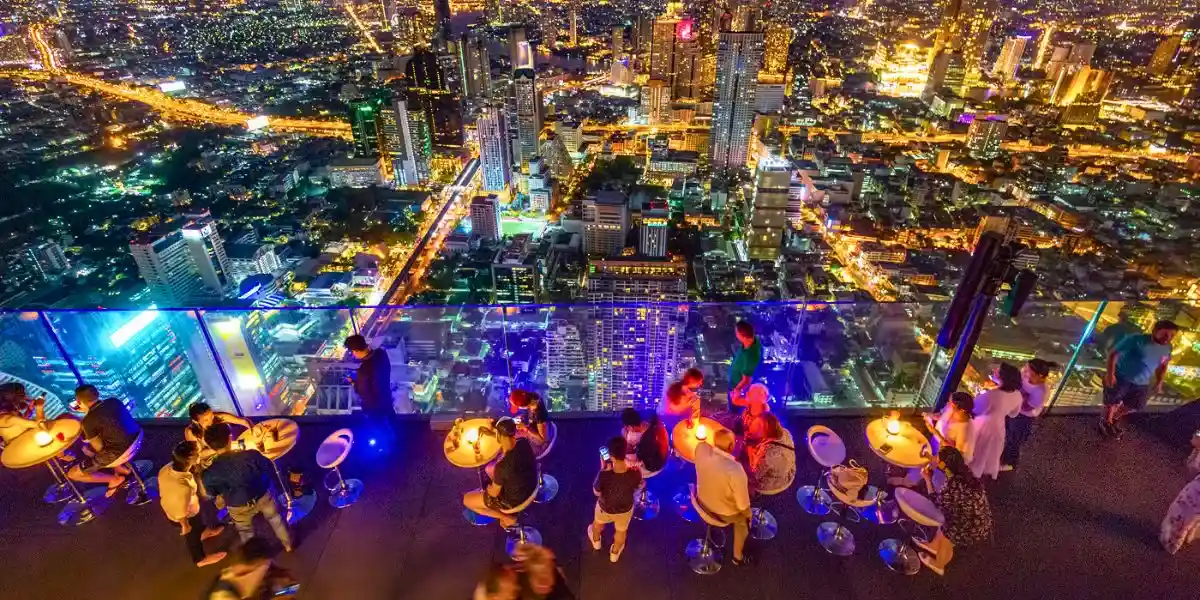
<point x="495" y="503"/>
<point x="1130" y="395"/>
<point x="91" y="464"/>
<point x="619" y="521"/>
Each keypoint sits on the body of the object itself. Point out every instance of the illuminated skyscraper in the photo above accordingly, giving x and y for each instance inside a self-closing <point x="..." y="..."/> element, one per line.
<point x="656" y="102"/>
<point x="476" y="66"/>
<point x="633" y="349"/>
<point x="1010" y="58"/>
<point x="183" y="265"/>
<point x="621" y="72"/>
<point x="985" y="136"/>
<point x="946" y="74"/>
<point x="427" y="83"/>
<point x="540" y="189"/>
<point x="485" y="217"/>
<point x="768" y="218"/>
<point x="964" y="29"/>
<point x="739" y="56"/>
<point x="1082" y="93"/>
<point x="406" y="141"/>
<point x="686" y="61"/>
<point x="565" y="361"/>
<point x="528" y="122"/>
<point x="903" y="72"/>
<point x="494" y="159"/>
<point x="1044" y="42"/>
<point x="518" y="54"/>
<point x="662" y="49"/>
<point x="605" y="223"/>
<point x="515" y="277"/>
<point x="1164" y="54"/>
<point x="652" y="236"/>
<point x="364" y="125"/>
<point x="247" y="350"/>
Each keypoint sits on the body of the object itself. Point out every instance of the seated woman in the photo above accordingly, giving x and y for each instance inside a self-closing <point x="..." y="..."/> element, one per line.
<point x="536" y="425"/>
<point x="1181" y="526"/>
<point x="751" y="424"/>
<point x="202" y="417"/>
<point x="513" y="478"/>
<point x="952" y="428"/>
<point x="773" y="459"/>
<point x="16" y="410"/>
<point x="963" y="504"/>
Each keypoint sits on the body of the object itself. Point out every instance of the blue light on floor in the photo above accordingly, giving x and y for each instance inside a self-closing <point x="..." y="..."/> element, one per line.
<point x="371" y="442"/>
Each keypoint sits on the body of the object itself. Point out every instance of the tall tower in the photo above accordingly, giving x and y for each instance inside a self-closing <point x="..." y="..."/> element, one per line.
<point x="1164" y="54"/>
<point x="364" y="125"/>
<point x="662" y="49"/>
<point x="1043" y="46"/>
<point x="184" y="265"/>
<point x="565" y="360"/>
<point x="605" y="223"/>
<point x="528" y="114"/>
<point x="964" y="28"/>
<point x="768" y="217"/>
<point x="1010" y="58"/>
<point x="494" y="147"/>
<point x="777" y="39"/>
<point x="739" y="56"/>
<point x="485" y="217"/>
<point x="476" y="65"/>
<point x="652" y="237"/>
<point x="633" y="351"/>
<point x="405" y="139"/>
<point x="985" y="136"/>
<point x="686" y="61"/>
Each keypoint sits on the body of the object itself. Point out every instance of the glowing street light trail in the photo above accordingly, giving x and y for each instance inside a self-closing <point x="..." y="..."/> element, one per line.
<point x="362" y="28"/>
<point x="43" y="48"/>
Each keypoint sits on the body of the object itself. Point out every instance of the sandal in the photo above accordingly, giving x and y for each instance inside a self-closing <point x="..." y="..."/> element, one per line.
<point x="927" y="560"/>
<point x="113" y="488"/>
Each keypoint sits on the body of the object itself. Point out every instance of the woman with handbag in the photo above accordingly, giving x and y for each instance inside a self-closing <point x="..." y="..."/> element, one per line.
<point x="773" y="459"/>
<point x="968" y="516"/>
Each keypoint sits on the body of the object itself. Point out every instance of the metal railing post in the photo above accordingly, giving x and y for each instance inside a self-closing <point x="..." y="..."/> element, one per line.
<point x="237" y="406"/>
<point x="62" y="348"/>
<point x="354" y="321"/>
<point x="1087" y="333"/>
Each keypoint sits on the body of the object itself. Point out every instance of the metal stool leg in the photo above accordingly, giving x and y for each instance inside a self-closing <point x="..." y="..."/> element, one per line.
<point x="835" y="538"/>
<point x="347" y="492"/>
<point x="547" y="489"/>
<point x="59" y="491"/>
<point x="519" y="535"/>
<point x="295" y="509"/>
<point x="763" y="525"/>
<point x="814" y="499"/>
<point x="899" y="556"/>
<point x="703" y="556"/>
<point x="83" y="508"/>
<point x="647" y="505"/>
<point x="141" y="492"/>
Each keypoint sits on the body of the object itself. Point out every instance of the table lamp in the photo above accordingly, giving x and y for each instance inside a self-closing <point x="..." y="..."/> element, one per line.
<point x="42" y="437"/>
<point x="701" y="432"/>
<point x="893" y="423"/>
<point x="473" y="436"/>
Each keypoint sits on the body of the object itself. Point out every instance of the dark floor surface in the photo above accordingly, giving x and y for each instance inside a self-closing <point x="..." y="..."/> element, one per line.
<point x="1079" y="520"/>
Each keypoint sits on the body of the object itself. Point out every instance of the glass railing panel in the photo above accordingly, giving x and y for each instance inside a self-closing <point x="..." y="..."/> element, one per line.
<point x="284" y="361"/>
<point x="29" y="357"/>
<point x="157" y="362"/>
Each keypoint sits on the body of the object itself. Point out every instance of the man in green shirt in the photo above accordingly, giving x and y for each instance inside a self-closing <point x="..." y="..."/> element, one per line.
<point x="745" y="361"/>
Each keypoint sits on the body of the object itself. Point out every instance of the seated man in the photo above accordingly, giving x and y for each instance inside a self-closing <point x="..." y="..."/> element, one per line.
<point x="513" y="478"/>
<point x="722" y="488"/>
<point x="243" y="480"/>
<point x="108" y="431"/>
<point x="202" y="416"/>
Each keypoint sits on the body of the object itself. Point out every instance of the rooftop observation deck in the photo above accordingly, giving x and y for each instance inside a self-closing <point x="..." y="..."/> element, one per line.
<point x="1079" y="520"/>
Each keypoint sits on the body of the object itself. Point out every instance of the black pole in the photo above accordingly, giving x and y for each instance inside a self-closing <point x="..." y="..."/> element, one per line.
<point x="966" y="346"/>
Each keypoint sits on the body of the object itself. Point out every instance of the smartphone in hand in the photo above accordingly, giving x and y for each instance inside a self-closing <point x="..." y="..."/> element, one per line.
<point x="604" y="456"/>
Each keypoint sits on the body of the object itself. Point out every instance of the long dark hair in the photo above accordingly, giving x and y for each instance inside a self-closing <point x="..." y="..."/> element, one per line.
<point x="1009" y="376"/>
<point x="956" y="466"/>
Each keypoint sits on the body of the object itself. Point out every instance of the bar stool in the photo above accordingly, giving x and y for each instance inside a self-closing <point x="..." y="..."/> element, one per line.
<point x="646" y="506"/>
<point x="828" y="449"/>
<point x="143" y="492"/>
<point x="330" y="455"/>
<point x="547" y="485"/>
<point x="521" y="534"/>
<point x="897" y="554"/>
<point x="836" y="538"/>
<point x="703" y="554"/>
<point x="763" y="525"/>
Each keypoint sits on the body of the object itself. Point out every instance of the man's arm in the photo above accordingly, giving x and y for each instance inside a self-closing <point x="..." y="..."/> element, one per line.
<point x="234" y="419"/>
<point x="741" y="490"/>
<point x="1159" y="373"/>
<point x="1110" y="374"/>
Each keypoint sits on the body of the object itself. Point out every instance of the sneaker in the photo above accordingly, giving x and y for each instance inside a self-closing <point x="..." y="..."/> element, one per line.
<point x="927" y="560"/>
<point x="1106" y="428"/>
<point x="1006" y="468"/>
<point x="595" y="542"/>
<point x="613" y="554"/>
<point x="740" y="563"/>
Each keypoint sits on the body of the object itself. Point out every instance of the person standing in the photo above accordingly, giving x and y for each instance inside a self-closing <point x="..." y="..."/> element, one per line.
<point x="615" y="487"/>
<point x="723" y="488"/>
<point x="108" y="431"/>
<point x="180" y="501"/>
<point x="1136" y="367"/>
<point x="992" y="409"/>
<point x="1033" y="401"/>
<point x="745" y="361"/>
<point x="243" y="480"/>
<point x="373" y="380"/>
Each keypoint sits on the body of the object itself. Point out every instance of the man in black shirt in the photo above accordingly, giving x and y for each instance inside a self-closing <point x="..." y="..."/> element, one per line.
<point x="514" y="477"/>
<point x="108" y="430"/>
<point x="373" y="381"/>
<point x="615" y="487"/>
<point x="243" y="480"/>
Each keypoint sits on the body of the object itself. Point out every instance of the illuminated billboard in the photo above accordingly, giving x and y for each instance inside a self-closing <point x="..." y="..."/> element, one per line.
<point x="172" y="86"/>
<point x="256" y="123"/>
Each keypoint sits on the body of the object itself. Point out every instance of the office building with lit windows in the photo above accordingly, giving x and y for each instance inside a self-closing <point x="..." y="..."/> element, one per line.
<point x="495" y="160"/>
<point x="739" y="56"/>
<point x="985" y="136"/>
<point x="633" y="350"/>
<point x="515" y="278"/>
<point x="964" y="29"/>
<point x="768" y="216"/>
<point x="653" y="233"/>
<point x="528" y="116"/>
<point x="605" y="223"/>
<point x="485" y="217"/>
<point x="1010" y="58"/>
<point x="183" y="264"/>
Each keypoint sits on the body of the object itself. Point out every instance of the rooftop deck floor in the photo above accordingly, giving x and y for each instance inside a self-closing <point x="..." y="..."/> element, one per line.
<point x="1078" y="520"/>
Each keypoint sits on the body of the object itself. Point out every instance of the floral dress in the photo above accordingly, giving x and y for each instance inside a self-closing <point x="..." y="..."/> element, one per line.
<point x="968" y="514"/>
<point x="1182" y="523"/>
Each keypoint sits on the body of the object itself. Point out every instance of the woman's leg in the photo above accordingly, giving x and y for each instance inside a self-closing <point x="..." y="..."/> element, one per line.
<point x="474" y="501"/>
<point x="944" y="548"/>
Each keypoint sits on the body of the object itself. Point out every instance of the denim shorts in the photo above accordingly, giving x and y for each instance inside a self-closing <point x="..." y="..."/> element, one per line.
<point x="1131" y="395"/>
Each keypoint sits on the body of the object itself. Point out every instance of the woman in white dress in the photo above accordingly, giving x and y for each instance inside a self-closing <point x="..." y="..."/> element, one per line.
<point x="992" y="410"/>
<point x="951" y="428"/>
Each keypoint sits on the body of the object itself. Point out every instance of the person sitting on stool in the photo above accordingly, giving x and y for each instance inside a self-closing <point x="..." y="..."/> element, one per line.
<point x="109" y="430"/>
<point x="723" y="489"/>
<point x="512" y="479"/>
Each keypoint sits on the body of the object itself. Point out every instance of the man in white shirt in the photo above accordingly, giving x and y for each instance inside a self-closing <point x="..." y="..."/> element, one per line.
<point x="723" y="489"/>
<point x="1033" y="401"/>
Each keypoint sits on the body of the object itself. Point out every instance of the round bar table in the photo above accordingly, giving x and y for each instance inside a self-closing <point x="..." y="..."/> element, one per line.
<point x="907" y="448"/>
<point x="470" y="445"/>
<point x="26" y="450"/>
<point x="685" y="440"/>
<point x="274" y="438"/>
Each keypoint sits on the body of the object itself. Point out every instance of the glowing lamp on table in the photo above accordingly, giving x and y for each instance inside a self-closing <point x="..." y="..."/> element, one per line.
<point x="42" y="437"/>
<point x="701" y="432"/>
<point x="893" y="423"/>
<point x="472" y="436"/>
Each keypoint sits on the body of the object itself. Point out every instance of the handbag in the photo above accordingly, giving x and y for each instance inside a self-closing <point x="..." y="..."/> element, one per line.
<point x="849" y="479"/>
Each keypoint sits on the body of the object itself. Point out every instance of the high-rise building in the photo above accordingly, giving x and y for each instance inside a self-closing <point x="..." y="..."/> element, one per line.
<point x="946" y="75"/>
<point x="515" y="277"/>
<point x="405" y="140"/>
<point x="739" y="56"/>
<point x="541" y="191"/>
<point x="45" y="259"/>
<point x="686" y="62"/>
<point x="441" y="21"/>
<point x="964" y="29"/>
<point x="364" y="125"/>
<point x="621" y="72"/>
<point x="1164" y="55"/>
<point x="494" y="159"/>
<point x="633" y="349"/>
<point x="183" y="264"/>
<point x="777" y="39"/>
<point x="902" y="71"/>
<point x="656" y="102"/>
<point x="662" y="49"/>
<point x="248" y="351"/>
<point x="1010" y="58"/>
<point x="565" y="361"/>
<point x="476" y="66"/>
<point x="652" y="235"/>
<point x="605" y="223"/>
<point x="485" y="217"/>
<point x="427" y="82"/>
<point x="768" y="217"/>
<point x="520" y="53"/>
<point x="528" y="121"/>
<point x="985" y="136"/>
<point x="251" y="259"/>
<point x="558" y="158"/>
<point x="1082" y="94"/>
<point x="1044" y="42"/>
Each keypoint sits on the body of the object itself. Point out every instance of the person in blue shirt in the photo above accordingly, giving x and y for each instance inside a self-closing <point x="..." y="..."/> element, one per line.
<point x="1136" y="367"/>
